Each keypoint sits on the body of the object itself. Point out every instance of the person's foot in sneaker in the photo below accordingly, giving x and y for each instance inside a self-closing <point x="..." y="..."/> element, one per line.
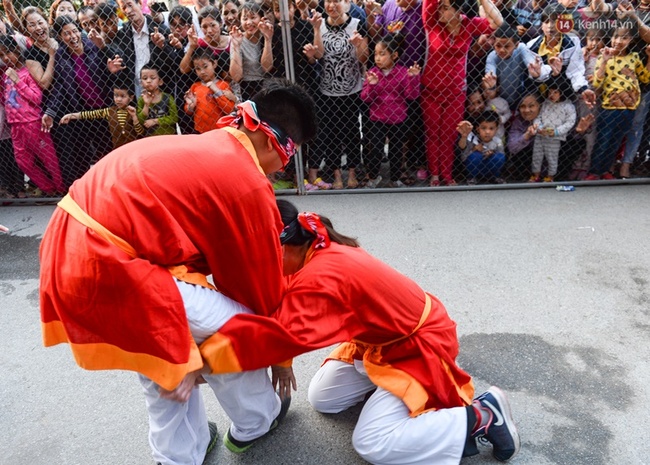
<point x="495" y="424"/>
<point x="238" y="447"/>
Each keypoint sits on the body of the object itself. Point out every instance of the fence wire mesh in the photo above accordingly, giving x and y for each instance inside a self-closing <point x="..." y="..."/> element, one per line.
<point x="409" y="93"/>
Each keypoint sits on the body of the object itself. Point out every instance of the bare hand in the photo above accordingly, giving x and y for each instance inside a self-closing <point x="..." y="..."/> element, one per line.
<point x="190" y="99"/>
<point x="316" y="19"/>
<point x="183" y="391"/>
<point x="489" y="81"/>
<point x="67" y="118"/>
<point x="549" y="132"/>
<point x="535" y="69"/>
<point x="147" y="97"/>
<point x="356" y="39"/>
<point x="46" y="123"/>
<point x="157" y="38"/>
<point x="192" y="38"/>
<point x="464" y="128"/>
<point x="150" y="123"/>
<point x="589" y="97"/>
<point x="236" y="36"/>
<point x="585" y="123"/>
<point x="174" y="41"/>
<point x="52" y="46"/>
<point x="556" y="65"/>
<point x="132" y="113"/>
<point x="266" y="28"/>
<point x="96" y="38"/>
<point x="372" y="8"/>
<point x="414" y="70"/>
<point x="372" y="78"/>
<point x="521" y="30"/>
<point x="531" y="131"/>
<point x="309" y="51"/>
<point x="12" y="74"/>
<point x="115" y="65"/>
<point x="283" y="380"/>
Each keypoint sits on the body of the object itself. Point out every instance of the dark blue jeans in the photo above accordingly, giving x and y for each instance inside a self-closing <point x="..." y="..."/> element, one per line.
<point x="490" y="167"/>
<point x="612" y="125"/>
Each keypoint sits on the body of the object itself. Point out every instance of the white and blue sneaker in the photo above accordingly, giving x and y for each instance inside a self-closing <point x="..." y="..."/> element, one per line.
<point x="500" y="429"/>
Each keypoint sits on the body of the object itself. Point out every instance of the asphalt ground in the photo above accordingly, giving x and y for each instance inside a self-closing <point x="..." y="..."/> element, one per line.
<point x="550" y="291"/>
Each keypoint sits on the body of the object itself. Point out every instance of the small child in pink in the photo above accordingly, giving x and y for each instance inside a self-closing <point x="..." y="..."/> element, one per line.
<point x="22" y="100"/>
<point x="387" y="89"/>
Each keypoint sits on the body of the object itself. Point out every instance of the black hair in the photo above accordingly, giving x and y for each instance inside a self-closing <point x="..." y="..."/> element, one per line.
<point x="123" y="81"/>
<point x="288" y="106"/>
<point x="533" y="93"/>
<point x="9" y="43"/>
<point x="253" y="8"/>
<point x="294" y="234"/>
<point x="182" y="13"/>
<point x="562" y="84"/>
<point x="488" y="116"/>
<point x="105" y="11"/>
<point x="393" y="43"/>
<point x="61" y="22"/>
<point x="551" y="12"/>
<point x="203" y="53"/>
<point x="151" y="65"/>
<point x="210" y="11"/>
<point x="84" y="9"/>
<point x="158" y="7"/>
<point x="458" y="5"/>
<point x="626" y="24"/>
<point x="505" y="31"/>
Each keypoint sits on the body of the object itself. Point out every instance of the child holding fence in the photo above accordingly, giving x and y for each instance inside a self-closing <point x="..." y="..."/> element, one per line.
<point x="33" y="148"/>
<point x="387" y="89"/>
<point x="157" y="110"/>
<point x="122" y="118"/>
<point x="618" y="72"/>
<point x="210" y="98"/>
<point x="556" y="118"/>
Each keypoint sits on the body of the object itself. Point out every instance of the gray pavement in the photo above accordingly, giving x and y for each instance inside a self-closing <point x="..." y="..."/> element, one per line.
<point x="550" y="291"/>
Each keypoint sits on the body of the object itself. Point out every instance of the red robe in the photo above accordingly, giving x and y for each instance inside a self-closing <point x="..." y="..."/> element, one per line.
<point x="199" y="201"/>
<point x="345" y="294"/>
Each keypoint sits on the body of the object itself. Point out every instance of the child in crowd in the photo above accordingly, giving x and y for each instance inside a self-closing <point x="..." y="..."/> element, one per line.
<point x="12" y="180"/>
<point x="387" y="89"/>
<point x="498" y="104"/>
<point x="551" y="127"/>
<point x="595" y="41"/>
<point x="618" y="72"/>
<point x="122" y="117"/>
<point x="482" y="152"/>
<point x="157" y="110"/>
<point x="33" y="148"/>
<point x="251" y="55"/>
<point x="210" y="98"/>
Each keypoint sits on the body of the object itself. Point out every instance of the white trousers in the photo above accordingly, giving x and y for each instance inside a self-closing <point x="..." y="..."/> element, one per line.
<point x="178" y="432"/>
<point x="385" y="433"/>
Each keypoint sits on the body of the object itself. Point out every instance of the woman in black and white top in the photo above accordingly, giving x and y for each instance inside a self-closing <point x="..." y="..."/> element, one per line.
<point x="342" y="73"/>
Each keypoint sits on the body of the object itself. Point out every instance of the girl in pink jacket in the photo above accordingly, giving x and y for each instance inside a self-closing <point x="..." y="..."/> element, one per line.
<point x="22" y="101"/>
<point x="387" y="89"/>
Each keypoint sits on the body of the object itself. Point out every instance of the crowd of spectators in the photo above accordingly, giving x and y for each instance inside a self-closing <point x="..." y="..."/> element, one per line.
<point x="441" y="91"/>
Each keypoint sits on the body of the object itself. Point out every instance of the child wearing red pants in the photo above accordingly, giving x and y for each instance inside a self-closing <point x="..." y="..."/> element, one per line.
<point x="22" y="100"/>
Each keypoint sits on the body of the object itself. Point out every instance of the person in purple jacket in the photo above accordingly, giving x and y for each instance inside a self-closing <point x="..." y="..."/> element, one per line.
<point x="387" y="89"/>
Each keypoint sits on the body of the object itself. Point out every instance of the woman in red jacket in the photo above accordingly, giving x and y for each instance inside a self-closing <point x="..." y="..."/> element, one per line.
<point x="397" y="339"/>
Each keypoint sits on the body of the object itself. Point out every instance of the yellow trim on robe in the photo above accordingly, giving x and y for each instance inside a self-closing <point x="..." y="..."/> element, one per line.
<point x="102" y="356"/>
<point x="248" y="145"/>
<point x="218" y="352"/>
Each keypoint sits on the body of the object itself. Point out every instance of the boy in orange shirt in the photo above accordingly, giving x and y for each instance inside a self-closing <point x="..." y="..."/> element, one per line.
<point x="210" y="98"/>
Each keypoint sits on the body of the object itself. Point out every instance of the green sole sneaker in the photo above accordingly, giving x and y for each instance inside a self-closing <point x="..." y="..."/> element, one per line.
<point x="239" y="447"/>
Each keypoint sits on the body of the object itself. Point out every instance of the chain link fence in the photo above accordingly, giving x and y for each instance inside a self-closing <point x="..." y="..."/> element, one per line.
<point x="410" y="95"/>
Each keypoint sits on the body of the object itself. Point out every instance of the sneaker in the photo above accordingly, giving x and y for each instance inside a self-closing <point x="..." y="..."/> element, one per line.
<point x="238" y="447"/>
<point x="500" y="428"/>
<point x="548" y="179"/>
<point x="322" y="184"/>
<point x="309" y="187"/>
<point x="283" y="184"/>
<point x="499" y="181"/>
<point x="534" y="178"/>
<point x="422" y="174"/>
<point x="608" y="176"/>
<point x="471" y="182"/>
<point x="591" y="177"/>
<point x="373" y="183"/>
<point x="213" y="437"/>
<point x="398" y="183"/>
